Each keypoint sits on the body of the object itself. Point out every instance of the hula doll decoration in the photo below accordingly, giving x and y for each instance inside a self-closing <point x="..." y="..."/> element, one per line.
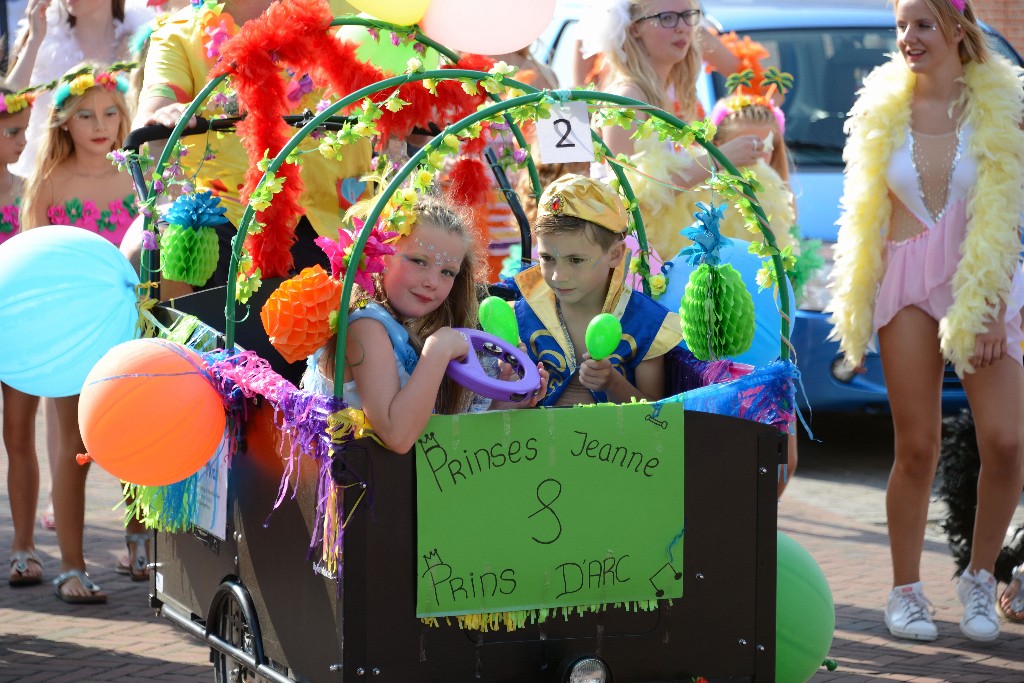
<point x="189" y="246"/>
<point x="717" y="310"/>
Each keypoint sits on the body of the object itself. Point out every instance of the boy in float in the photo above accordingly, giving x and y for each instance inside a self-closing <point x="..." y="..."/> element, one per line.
<point x="579" y="233"/>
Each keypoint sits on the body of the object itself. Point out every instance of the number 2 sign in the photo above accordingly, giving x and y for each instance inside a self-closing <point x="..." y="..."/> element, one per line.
<point x="565" y="137"/>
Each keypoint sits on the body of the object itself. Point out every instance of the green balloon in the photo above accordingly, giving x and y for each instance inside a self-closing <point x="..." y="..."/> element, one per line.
<point x="805" y="616"/>
<point x="603" y="335"/>
<point x="384" y="55"/>
<point x="498" y="318"/>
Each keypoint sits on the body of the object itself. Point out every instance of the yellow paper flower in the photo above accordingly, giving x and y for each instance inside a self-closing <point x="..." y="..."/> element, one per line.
<point x="15" y="103"/>
<point x="81" y="83"/>
<point x="658" y="284"/>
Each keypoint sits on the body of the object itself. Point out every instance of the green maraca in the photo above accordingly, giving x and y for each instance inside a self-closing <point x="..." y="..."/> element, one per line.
<point x="603" y="335"/>
<point x="498" y="318"/>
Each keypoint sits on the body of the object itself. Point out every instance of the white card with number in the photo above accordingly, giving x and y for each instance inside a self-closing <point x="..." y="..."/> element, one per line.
<point x="565" y="136"/>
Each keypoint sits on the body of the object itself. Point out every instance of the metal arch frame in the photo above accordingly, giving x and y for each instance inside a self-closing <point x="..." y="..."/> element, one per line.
<point x="499" y="107"/>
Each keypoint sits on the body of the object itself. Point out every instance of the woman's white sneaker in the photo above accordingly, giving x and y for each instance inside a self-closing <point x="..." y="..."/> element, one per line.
<point x="977" y="593"/>
<point x="908" y="614"/>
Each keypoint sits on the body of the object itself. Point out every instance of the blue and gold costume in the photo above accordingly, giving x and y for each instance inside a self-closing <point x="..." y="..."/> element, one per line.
<point x="649" y="330"/>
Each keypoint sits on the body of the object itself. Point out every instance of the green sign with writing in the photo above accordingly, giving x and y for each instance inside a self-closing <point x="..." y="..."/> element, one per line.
<point x="530" y="509"/>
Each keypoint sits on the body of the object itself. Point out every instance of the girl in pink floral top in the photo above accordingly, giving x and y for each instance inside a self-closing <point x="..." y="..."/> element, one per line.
<point x="12" y="144"/>
<point x="74" y="183"/>
<point x="19" y="409"/>
<point x="111" y="223"/>
<point x="87" y="120"/>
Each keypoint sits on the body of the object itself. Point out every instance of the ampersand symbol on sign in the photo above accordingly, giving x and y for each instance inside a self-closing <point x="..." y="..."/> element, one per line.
<point x="546" y="506"/>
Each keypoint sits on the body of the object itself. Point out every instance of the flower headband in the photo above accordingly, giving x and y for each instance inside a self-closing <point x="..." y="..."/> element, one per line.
<point x="752" y="85"/>
<point x="958" y="5"/>
<point x="78" y="81"/>
<point x="16" y="101"/>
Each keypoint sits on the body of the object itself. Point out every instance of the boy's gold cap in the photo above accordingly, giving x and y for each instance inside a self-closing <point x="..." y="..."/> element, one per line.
<point x="584" y="198"/>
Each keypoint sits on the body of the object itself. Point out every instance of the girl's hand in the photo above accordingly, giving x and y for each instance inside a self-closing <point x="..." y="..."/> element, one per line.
<point x="745" y="150"/>
<point x="597" y="375"/>
<point x="990" y="345"/>
<point x="448" y="343"/>
<point x="35" y="14"/>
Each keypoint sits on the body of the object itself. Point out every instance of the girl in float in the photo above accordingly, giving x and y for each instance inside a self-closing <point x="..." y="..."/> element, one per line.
<point x="19" y="408"/>
<point x="75" y="184"/>
<point x="652" y="48"/>
<point x="400" y="337"/>
<point x="929" y="256"/>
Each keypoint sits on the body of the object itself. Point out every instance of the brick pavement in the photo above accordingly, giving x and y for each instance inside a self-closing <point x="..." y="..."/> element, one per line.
<point x="832" y="509"/>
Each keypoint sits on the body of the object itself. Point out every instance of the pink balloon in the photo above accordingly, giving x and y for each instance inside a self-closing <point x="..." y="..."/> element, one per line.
<point x="480" y="28"/>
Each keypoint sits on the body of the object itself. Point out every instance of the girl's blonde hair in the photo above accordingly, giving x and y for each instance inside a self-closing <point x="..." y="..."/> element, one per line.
<point x="58" y="147"/>
<point x="974" y="47"/>
<point x="735" y="123"/>
<point x="637" y="69"/>
<point x="459" y="309"/>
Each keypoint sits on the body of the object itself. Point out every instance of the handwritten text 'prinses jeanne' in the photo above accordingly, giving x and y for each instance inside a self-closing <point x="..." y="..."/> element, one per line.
<point x="448" y="468"/>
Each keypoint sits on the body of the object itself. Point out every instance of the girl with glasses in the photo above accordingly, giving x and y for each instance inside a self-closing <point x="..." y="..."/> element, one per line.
<point x="655" y="51"/>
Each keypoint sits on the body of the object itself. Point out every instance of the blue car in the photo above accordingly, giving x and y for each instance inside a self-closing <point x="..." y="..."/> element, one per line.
<point x="829" y="46"/>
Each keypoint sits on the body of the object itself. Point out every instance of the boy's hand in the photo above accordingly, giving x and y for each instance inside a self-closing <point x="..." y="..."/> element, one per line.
<point x="505" y="374"/>
<point x="597" y="375"/>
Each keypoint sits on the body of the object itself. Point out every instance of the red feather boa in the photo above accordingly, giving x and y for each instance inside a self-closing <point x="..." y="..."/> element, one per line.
<point x="295" y="35"/>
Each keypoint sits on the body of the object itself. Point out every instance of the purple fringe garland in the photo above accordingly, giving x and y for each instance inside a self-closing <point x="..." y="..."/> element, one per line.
<point x="302" y="418"/>
<point x="766" y="395"/>
<point x="685" y="372"/>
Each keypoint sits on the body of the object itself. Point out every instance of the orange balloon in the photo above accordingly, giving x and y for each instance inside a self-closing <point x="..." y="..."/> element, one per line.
<point x="148" y="415"/>
<point x="296" y="316"/>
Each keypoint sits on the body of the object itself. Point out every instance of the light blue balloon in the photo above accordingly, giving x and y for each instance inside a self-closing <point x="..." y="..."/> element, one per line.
<point x="67" y="296"/>
<point x="767" y="321"/>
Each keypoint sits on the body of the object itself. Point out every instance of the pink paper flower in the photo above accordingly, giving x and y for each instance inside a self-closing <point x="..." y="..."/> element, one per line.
<point x="217" y="33"/>
<point x="339" y="253"/>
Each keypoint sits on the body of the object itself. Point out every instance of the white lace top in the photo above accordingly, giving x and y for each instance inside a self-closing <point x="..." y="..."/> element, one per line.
<point x="59" y="52"/>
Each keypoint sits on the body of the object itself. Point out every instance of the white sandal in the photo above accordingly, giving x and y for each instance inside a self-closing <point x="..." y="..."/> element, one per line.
<point x="138" y="562"/>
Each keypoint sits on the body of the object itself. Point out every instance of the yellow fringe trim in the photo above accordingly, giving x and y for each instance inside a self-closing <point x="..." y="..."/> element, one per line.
<point x="667" y="209"/>
<point x="512" y="621"/>
<point x="342" y="426"/>
<point x="989" y="253"/>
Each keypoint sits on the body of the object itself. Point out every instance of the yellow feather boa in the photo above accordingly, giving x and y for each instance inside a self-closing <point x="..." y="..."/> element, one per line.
<point x="989" y="254"/>
<point x="667" y="210"/>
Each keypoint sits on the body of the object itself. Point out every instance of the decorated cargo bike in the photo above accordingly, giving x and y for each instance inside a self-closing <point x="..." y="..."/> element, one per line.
<point x="609" y="542"/>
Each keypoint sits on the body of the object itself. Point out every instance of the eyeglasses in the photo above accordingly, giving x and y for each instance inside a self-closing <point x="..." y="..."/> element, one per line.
<point x="690" y="17"/>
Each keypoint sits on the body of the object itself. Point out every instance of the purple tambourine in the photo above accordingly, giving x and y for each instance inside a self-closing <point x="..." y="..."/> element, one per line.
<point x="470" y="374"/>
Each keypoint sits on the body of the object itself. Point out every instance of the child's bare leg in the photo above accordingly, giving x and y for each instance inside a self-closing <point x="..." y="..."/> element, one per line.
<point x="69" y="493"/>
<point x="52" y="451"/>
<point x="22" y="467"/>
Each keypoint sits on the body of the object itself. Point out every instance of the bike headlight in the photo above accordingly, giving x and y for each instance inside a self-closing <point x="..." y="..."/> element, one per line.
<point x="589" y="670"/>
